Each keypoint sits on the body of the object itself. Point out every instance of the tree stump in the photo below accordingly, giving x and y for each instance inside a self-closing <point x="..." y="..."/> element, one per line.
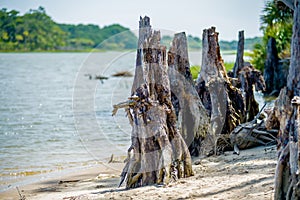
<point x="223" y="101"/>
<point x="248" y="77"/>
<point x="144" y="32"/>
<point x="270" y="69"/>
<point x="239" y="62"/>
<point x="286" y="112"/>
<point x="193" y="119"/>
<point x="158" y="153"/>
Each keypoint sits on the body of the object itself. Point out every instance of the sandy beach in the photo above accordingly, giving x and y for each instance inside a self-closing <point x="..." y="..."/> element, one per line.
<point x="246" y="176"/>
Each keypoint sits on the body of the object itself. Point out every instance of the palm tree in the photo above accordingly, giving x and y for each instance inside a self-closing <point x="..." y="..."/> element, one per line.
<point x="276" y="22"/>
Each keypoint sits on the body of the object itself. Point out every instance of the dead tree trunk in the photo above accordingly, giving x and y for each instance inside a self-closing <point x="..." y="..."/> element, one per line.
<point x="248" y="77"/>
<point x="193" y="119"/>
<point x="271" y="64"/>
<point x="223" y="101"/>
<point x="287" y="184"/>
<point x="158" y="153"/>
<point x="144" y="32"/>
<point x="239" y="62"/>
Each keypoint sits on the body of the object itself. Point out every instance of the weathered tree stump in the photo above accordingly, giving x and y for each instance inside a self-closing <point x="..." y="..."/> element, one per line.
<point x="286" y="112"/>
<point x="270" y="69"/>
<point x="193" y="119"/>
<point x="224" y="102"/>
<point x="239" y="62"/>
<point x="158" y="153"/>
<point x="144" y="32"/>
<point x="244" y="77"/>
<point x="248" y="77"/>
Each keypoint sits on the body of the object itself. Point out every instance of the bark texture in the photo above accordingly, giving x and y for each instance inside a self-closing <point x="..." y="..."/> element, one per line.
<point x="239" y="62"/>
<point x="223" y="101"/>
<point x="145" y="31"/>
<point x="271" y="68"/>
<point x="248" y="77"/>
<point x="286" y="113"/>
<point x="158" y="153"/>
<point x="192" y="117"/>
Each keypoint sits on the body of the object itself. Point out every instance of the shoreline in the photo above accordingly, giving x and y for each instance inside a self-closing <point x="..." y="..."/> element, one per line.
<point x="60" y="181"/>
<point x="247" y="176"/>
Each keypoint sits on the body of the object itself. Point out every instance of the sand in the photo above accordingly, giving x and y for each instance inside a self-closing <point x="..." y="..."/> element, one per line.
<point x="249" y="175"/>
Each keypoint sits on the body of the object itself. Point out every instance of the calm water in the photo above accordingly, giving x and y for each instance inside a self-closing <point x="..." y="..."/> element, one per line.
<point x="54" y="118"/>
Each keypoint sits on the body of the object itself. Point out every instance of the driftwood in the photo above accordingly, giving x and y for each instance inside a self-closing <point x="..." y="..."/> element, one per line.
<point x="192" y="117"/>
<point x="253" y="133"/>
<point x="158" y="153"/>
<point x="286" y="114"/>
<point x="122" y="74"/>
<point x="223" y="101"/>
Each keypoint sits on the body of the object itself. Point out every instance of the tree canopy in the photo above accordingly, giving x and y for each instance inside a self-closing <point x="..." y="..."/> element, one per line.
<point x="35" y="31"/>
<point x="276" y="22"/>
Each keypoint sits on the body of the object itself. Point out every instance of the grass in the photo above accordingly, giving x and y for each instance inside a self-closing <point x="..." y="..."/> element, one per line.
<point x="229" y="66"/>
<point x="195" y="69"/>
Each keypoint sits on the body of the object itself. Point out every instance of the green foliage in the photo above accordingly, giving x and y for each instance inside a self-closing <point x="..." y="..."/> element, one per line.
<point x="194" y="43"/>
<point x="117" y="35"/>
<point x="229" y="66"/>
<point x="258" y="56"/>
<point x="249" y="44"/>
<point x="36" y="31"/>
<point x="32" y="31"/>
<point x="276" y="22"/>
<point x="113" y="37"/>
<point x="195" y="69"/>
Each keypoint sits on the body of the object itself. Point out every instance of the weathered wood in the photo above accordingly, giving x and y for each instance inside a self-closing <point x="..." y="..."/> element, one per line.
<point x="287" y="112"/>
<point x="246" y="137"/>
<point x="253" y="133"/>
<point x="193" y="119"/>
<point x="288" y="3"/>
<point x="293" y="81"/>
<point x="248" y="77"/>
<point x="212" y="63"/>
<point x="157" y="152"/>
<point x="144" y="32"/>
<point x="223" y="101"/>
<point x="270" y="68"/>
<point x="239" y="62"/>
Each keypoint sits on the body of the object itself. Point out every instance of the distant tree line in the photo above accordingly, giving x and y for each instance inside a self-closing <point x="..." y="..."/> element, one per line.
<point x="196" y="43"/>
<point x="36" y="31"/>
<point x="232" y="45"/>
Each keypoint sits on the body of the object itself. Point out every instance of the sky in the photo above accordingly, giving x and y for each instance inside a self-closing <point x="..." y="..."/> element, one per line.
<point x="191" y="16"/>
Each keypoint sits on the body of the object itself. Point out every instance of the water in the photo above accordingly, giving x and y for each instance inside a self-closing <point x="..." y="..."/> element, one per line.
<point x="54" y="118"/>
<point x="37" y="132"/>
